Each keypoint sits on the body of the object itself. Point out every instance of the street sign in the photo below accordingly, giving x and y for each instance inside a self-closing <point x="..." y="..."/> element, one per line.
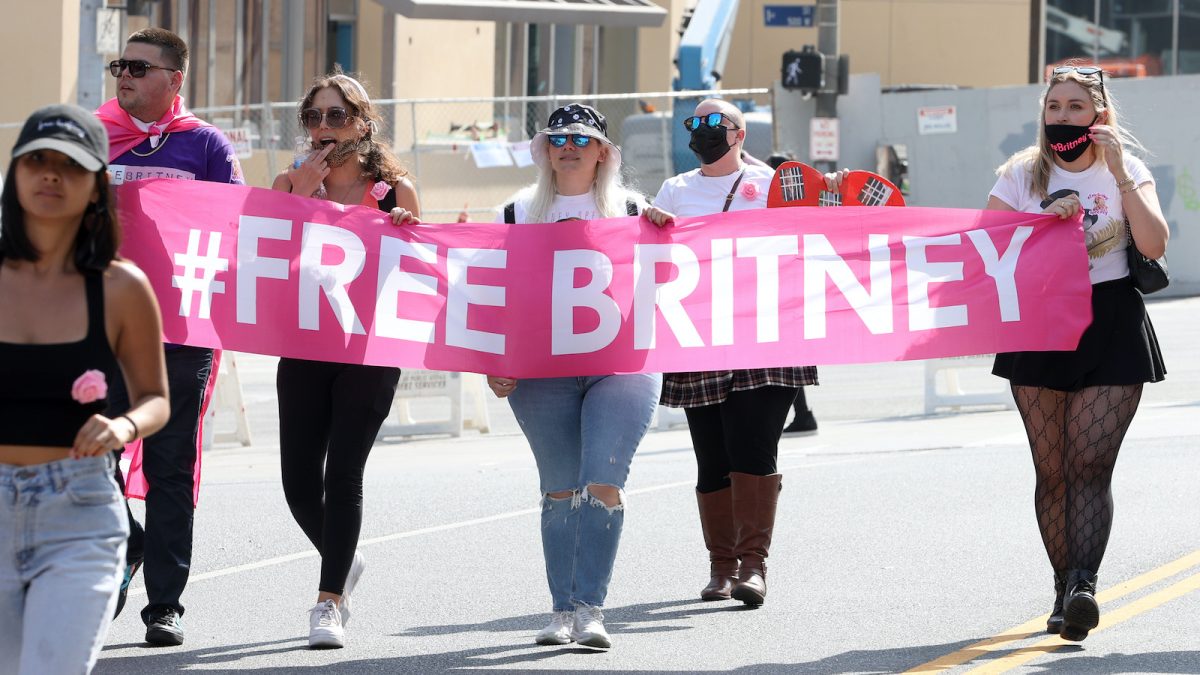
<point x="942" y="119"/>
<point x="823" y="139"/>
<point x="789" y="16"/>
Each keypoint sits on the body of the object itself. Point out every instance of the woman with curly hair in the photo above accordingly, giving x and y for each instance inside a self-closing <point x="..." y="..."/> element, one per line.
<point x="330" y="413"/>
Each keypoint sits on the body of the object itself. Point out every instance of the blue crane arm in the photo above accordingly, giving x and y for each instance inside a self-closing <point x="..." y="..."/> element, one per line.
<point x="705" y="44"/>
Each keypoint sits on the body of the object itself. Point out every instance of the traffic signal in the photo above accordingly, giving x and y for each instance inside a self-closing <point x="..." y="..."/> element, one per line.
<point x="803" y="70"/>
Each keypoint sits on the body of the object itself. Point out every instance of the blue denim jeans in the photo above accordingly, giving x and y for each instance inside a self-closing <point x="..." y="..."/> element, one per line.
<point x="62" y="553"/>
<point x="583" y="431"/>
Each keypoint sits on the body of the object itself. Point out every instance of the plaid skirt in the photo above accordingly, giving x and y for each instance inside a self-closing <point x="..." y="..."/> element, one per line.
<point x="693" y="390"/>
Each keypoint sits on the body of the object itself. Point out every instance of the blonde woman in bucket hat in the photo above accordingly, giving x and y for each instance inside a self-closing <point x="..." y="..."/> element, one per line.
<point x="583" y="431"/>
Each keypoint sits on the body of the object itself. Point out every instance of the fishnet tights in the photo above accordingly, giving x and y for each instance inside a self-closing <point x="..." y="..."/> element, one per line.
<point x="1075" y="438"/>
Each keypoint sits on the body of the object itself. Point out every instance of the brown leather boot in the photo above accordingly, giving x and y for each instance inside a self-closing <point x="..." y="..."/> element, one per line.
<point x="754" y="501"/>
<point x="716" y="520"/>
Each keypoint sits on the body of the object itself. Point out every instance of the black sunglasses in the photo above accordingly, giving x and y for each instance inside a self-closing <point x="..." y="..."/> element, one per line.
<point x="560" y="140"/>
<point x="711" y="120"/>
<point x="335" y="117"/>
<point x="1085" y="71"/>
<point x="136" y="68"/>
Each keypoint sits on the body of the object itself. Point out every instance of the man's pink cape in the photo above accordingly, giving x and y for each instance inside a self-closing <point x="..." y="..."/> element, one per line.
<point x="125" y="135"/>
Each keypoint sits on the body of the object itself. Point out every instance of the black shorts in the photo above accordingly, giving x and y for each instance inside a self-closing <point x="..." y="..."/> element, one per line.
<point x="1118" y="348"/>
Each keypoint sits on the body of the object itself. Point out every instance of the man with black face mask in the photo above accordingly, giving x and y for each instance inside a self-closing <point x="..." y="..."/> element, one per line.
<point x="735" y="417"/>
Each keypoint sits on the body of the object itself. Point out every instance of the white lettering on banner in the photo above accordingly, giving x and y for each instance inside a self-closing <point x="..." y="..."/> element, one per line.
<point x="922" y="273"/>
<point x="874" y="307"/>
<point x="332" y="279"/>
<point x="650" y="296"/>
<point x="251" y="266"/>
<point x="565" y="297"/>
<point x="393" y="281"/>
<point x="1002" y="269"/>
<point x="460" y="295"/>
<point x="766" y="252"/>
<point x="199" y="273"/>
<point x="722" y="292"/>
<point x="870" y="298"/>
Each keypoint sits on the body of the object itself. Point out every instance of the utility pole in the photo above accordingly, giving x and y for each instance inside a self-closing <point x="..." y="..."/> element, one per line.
<point x="827" y="44"/>
<point x="90" y="85"/>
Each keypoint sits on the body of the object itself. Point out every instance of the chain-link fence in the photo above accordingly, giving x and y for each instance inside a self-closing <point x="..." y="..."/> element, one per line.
<point x="466" y="153"/>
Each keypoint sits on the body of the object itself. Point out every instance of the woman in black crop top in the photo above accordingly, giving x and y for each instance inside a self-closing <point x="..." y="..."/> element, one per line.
<point x="330" y="413"/>
<point x="72" y="318"/>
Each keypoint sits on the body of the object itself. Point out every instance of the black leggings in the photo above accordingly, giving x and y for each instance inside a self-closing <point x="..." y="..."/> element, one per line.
<point x="329" y="414"/>
<point x="1075" y="438"/>
<point x="739" y="434"/>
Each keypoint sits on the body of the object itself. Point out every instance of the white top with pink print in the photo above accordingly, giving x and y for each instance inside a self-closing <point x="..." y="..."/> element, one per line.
<point x="1103" y="218"/>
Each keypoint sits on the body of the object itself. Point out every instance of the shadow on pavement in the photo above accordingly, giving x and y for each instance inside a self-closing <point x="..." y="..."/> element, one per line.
<point x="521" y="659"/>
<point x="617" y="619"/>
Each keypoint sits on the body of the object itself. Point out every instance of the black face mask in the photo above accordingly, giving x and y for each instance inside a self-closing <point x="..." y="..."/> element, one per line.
<point x="709" y="144"/>
<point x="1070" y="141"/>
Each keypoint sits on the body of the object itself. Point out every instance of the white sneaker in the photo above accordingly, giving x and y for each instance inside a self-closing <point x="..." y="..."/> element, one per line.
<point x="356" y="570"/>
<point x="325" y="626"/>
<point x="589" y="628"/>
<point x="558" y="632"/>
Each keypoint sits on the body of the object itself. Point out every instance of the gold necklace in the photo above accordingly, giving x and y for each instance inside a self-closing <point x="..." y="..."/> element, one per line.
<point x="161" y="142"/>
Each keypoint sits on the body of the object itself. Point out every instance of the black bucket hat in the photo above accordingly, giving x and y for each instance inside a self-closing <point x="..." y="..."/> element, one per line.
<point x="573" y="118"/>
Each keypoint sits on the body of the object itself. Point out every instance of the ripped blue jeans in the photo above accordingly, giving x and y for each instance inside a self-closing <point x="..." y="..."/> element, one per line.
<point x="583" y="431"/>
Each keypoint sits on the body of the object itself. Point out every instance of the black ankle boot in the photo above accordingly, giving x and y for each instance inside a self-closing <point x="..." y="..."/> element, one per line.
<point x="1081" y="612"/>
<point x="1055" y="623"/>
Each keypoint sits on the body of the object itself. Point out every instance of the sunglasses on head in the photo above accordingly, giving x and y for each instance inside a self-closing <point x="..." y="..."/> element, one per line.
<point x="136" y="68"/>
<point x="560" y="140"/>
<point x="1085" y="71"/>
<point x="335" y="117"/>
<point x="711" y="120"/>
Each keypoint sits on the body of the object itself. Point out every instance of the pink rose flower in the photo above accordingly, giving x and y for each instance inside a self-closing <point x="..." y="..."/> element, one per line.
<point x="380" y="190"/>
<point x="89" y="387"/>
<point x="749" y="191"/>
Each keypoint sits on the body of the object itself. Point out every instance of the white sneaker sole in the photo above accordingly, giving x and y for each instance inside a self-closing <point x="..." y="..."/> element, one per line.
<point x="324" y="638"/>
<point x="593" y="640"/>
<point x="552" y="640"/>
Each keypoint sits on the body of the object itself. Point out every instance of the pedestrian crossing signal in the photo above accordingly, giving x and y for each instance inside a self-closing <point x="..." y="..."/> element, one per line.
<point x="804" y="70"/>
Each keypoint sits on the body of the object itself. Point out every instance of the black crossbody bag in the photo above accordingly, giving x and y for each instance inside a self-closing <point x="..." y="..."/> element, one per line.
<point x="1149" y="276"/>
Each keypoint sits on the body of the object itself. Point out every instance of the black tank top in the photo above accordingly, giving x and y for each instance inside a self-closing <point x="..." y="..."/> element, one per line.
<point x="36" y="381"/>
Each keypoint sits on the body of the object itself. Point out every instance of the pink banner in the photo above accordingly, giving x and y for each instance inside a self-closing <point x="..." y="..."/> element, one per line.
<point x="255" y="270"/>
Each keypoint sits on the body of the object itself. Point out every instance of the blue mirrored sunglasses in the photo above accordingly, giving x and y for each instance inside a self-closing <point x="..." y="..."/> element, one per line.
<point x="578" y="140"/>
<point x="711" y="120"/>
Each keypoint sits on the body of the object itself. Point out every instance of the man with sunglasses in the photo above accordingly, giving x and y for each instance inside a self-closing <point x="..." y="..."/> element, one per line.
<point x="735" y="417"/>
<point x="152" y="135"/>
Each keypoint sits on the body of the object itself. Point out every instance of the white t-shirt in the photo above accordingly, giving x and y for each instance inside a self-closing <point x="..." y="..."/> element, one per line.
<point x="569" y="207"/>
<point x="1103" y="218"/>
<point x="694" y="194"/>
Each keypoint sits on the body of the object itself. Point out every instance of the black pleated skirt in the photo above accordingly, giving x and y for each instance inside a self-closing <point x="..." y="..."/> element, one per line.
<point x="1118" y="348"/>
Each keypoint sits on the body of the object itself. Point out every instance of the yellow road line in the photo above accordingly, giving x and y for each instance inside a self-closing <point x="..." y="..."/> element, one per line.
<point x="1032" y="627"/>
<point x="1125" y="613"/>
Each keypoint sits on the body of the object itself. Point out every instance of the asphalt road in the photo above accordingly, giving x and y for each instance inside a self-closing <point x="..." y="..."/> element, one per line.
<point x="904" y="541"/>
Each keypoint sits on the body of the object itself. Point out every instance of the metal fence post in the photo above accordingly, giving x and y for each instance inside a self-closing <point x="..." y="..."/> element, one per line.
<point x="416" y="147"/>
<point x="666" y="140"/>
<point x="268" y="136"/>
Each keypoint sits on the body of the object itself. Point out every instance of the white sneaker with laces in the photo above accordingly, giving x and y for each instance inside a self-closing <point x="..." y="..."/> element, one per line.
<point x="589" y="628"/>
<point x="356" y="570"/>
<point x="325" y="626"/>
<point x="558" y="632"/>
